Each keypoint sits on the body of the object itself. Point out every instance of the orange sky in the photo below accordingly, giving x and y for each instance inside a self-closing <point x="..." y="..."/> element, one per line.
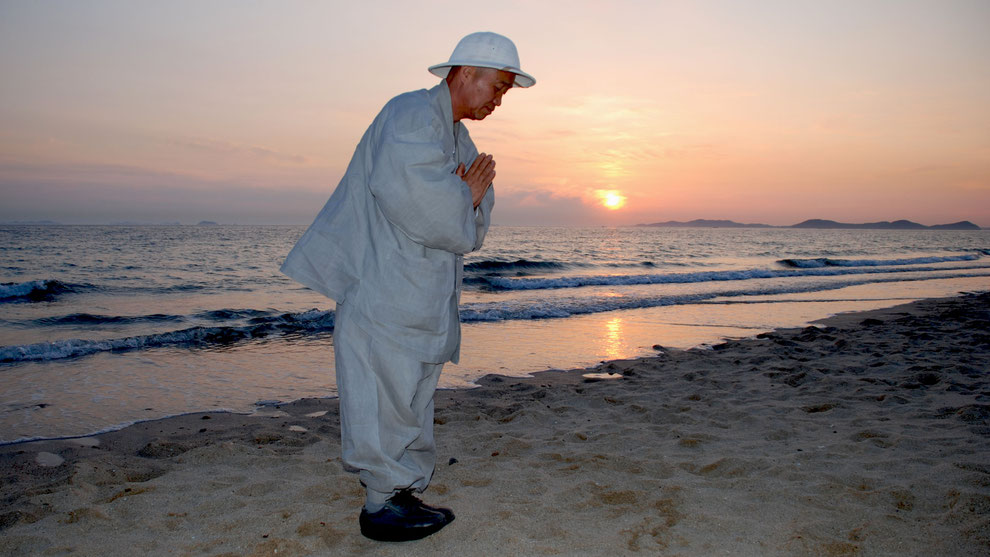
<point x="771" y="112"/>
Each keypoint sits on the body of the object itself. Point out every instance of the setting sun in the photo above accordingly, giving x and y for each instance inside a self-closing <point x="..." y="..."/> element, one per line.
<point x="611" y="199"/>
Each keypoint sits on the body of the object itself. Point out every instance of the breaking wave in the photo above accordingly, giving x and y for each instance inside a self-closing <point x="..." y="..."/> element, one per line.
<point x="570" y="306"/>
<point x="35" y="290"/>
<point x="515" y="283"/>
<point x="488" y="266"/>
<point x="818" y="263"/>
<point x="311" y="321"/>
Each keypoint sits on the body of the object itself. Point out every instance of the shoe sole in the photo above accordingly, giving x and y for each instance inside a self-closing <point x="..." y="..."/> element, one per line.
<point x="400" y="534"/>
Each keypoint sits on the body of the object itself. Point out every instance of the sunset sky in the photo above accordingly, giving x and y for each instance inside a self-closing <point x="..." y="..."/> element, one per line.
<point x="756" y="111"/>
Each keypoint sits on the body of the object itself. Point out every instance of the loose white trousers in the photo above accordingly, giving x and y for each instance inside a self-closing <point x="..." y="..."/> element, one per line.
<point x="386" y="409"/>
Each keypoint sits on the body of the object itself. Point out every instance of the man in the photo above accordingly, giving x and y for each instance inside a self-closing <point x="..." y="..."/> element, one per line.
<point x="388" y="248"/>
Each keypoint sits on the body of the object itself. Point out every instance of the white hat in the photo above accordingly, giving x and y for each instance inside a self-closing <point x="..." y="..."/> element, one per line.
<point x="486" y="50"/>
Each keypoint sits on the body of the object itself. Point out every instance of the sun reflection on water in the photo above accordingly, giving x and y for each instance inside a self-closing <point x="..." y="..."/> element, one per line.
<point x="614" y="345"/>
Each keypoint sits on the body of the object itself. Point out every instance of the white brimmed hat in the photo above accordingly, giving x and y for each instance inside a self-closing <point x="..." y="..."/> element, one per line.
<point x="486" y="50"/>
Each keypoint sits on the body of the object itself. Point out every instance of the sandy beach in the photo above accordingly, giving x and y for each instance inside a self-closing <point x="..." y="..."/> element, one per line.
<point x="867" y="434"/>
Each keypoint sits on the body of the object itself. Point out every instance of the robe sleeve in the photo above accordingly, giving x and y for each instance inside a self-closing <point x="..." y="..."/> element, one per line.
<point x="415" y="187"/>
<point x="483" y="217"/>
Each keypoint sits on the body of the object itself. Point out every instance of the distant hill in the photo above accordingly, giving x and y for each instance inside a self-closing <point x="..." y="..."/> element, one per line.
<point x="961" y="225"/>
<point x="885" y="225"/>
<point x="705" y="223"/>
<point x="818" y="224"/>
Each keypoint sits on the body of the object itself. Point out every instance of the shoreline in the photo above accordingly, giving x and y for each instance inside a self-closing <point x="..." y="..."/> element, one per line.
<point x="450" y="370"/>
<point x="866" y="433"/>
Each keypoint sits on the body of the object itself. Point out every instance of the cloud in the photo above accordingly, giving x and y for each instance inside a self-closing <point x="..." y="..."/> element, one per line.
<point x="526" y="207"/>
<point x="92" y="193"/>
<point x="81" y="173"/>
<point x="221" y="147"/>
<point x="133" y="176"/>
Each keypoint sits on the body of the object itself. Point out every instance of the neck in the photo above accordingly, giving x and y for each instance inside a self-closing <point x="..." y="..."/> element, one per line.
<point x="456" y="107"/>
<point x="458" y="114"/>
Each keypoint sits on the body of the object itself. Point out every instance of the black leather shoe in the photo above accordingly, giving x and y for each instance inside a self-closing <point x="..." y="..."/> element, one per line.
<point x="407" y="498"/>
<point x="403" y="518"/>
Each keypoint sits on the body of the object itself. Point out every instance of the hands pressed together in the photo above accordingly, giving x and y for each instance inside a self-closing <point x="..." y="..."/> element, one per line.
<point x="478" y="177"/>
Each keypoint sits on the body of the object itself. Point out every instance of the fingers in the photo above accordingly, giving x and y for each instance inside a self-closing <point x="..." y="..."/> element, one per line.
<point x="483" y="159"/>
<point x="483" y="168"/>
<point x="479" y="176"/>
<point x="482" y="178"/>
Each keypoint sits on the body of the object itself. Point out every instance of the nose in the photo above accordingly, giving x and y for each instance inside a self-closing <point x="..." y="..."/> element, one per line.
<point x="498" y="99"/>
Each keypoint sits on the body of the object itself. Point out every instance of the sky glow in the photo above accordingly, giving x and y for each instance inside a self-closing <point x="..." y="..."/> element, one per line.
<point x="763" y="111"/>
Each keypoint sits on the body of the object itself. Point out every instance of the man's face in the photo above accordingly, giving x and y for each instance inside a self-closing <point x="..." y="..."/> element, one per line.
<point x="485" y="89"/>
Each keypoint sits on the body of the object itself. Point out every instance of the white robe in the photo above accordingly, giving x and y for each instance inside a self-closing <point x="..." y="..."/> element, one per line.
<point x="389" y="242"/>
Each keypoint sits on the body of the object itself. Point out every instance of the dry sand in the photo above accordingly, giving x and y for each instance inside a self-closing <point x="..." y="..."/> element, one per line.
<point x="866" y="435"/>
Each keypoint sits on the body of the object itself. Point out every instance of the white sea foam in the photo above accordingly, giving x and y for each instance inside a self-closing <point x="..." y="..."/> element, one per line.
<point x="12" y="289"/>
<point x="506" y="283"/>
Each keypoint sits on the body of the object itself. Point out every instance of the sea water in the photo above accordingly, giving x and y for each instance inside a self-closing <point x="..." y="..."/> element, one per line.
<point x="102" y="326"/>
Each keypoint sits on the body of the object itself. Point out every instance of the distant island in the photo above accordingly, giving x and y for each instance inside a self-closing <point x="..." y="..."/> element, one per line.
<point x="30" y="222"/>
<point x="136" y="223"/>
<point x="706" y="223"/>
<point x="818" y="224"/>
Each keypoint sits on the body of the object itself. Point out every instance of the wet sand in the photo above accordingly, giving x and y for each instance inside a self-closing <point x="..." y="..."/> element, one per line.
<point x="868" y="434"/>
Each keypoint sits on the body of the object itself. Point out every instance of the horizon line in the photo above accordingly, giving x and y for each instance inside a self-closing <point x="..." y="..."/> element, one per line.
<point x="658" y="224"/>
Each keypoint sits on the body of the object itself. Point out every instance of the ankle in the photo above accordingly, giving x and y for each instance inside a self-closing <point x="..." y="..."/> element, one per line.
<point x="375" y="500"/>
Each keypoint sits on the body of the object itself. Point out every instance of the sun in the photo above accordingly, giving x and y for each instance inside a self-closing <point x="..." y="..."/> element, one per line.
<point x="611" y="199"/>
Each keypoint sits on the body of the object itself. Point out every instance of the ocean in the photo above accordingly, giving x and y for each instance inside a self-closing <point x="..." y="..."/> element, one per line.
<point x="104" y="326"/>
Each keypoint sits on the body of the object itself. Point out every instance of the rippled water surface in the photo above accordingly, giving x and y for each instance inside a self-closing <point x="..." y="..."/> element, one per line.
<point x="104" y="325"/>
